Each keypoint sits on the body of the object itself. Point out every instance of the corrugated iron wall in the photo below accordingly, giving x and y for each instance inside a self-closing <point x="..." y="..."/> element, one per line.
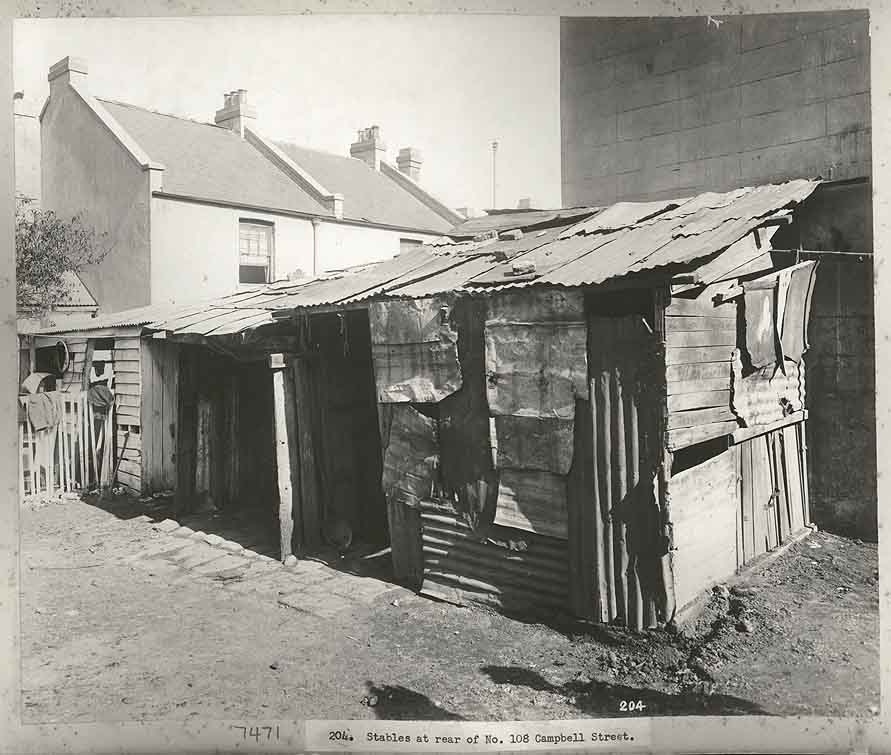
<point x="518" y="572"/>
<point x="616" y="546"/>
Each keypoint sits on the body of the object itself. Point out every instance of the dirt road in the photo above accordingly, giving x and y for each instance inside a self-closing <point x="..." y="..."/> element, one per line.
<point x="113" y="629"/>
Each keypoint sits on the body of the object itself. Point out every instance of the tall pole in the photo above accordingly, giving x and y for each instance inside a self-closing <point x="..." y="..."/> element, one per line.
<point x="494" y="172"/>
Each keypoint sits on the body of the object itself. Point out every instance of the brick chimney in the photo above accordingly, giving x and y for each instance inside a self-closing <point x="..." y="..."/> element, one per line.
<point x="68" y="70"/>
<point x="369" y="147"/>
<point x="409" y="162"/>
<point x="236" y="113"/>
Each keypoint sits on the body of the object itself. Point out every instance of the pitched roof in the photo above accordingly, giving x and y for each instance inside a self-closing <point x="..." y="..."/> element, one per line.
<point x="76" y="292"/>
<point x="368" y="194"/>
<point x="208" y="162"/>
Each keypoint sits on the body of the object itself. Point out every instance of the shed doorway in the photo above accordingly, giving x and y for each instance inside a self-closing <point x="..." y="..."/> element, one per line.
<point x="339" y="509"/>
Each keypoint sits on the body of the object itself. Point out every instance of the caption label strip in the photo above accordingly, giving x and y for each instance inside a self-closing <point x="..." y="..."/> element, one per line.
<point x="468" y="736"/>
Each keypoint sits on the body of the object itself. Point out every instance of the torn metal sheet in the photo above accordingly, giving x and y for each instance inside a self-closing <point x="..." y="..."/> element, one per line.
<point x="414" y="350"/>
<point x="536" y="369"/>
<point x="535" y="443"/>
<point x="533" y="501"/>
<point x="767" y="395"/>
<point x="793" y="331"/>
<point x="761" y="335"/>
<point x="541" y="305"/>
<point x="621" y="215"/>
<point x="410" y="457"/>
<point x="415" y="372"/>
<point x="408" y="321"/>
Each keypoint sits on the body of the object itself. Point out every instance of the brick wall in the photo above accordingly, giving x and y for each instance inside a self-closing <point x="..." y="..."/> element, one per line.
<point x="665" y="107"/>
<point x="840" y="386"/>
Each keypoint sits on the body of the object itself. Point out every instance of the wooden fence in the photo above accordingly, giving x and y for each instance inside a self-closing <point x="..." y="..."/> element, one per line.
<point x="74" y="454"/>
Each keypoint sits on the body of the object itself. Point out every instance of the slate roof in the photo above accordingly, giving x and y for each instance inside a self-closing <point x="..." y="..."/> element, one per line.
<point x="368" y="194"/>
<point x="207" y="162"/>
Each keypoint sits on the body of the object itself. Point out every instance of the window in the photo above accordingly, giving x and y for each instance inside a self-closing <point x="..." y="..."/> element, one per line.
<point x="406" y="245"/>
<point x="255" y="249"/>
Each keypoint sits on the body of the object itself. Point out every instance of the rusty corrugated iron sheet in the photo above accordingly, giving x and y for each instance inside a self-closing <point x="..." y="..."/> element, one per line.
<point x="503" y="221"/>
<point x="617" y="539"/>
<point x="512" y="570"/>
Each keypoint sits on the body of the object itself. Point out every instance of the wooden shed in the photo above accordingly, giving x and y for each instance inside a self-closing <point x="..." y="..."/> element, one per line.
<point x="593" y="412"/>
<point x="143" y="375"/>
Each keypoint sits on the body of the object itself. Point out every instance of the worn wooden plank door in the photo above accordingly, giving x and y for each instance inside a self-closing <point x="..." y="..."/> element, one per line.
<point x="793" y="478"/>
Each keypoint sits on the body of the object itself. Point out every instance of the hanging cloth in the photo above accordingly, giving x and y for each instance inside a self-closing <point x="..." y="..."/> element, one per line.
<point x="42" y="411"/>
<point x="101" y="398"/>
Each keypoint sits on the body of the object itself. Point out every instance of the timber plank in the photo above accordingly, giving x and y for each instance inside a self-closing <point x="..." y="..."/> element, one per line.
<point x="681" y="387"/>
<point x="687" y="436"/>
<point x="311" y="510"/>
<point x="693" y="355"/>
<point x="283" y="462"/>
<point x="126" y="343"/>
<point x="700" y="306"/>
<point x="793" y="478"/>
<point x="147" y="419"/>
<point x="694" y="417"/>
<point x="132" y="466"/>
<point x="675" y="339"/>
<point x="698" y="400"/>
<point x="701" y="371"/>
<point x="126" y="400"/>
<point x="780" y="482"/>
<point x="687" y="324"/>
<point x="170" y="401"/>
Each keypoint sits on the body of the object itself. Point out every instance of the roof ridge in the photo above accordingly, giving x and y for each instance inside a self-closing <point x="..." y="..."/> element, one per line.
<point x="313" y="149"/>
<point x="158" y="112"/>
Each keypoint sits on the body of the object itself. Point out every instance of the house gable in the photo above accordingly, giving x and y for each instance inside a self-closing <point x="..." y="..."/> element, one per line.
<point x="91" y="167"/>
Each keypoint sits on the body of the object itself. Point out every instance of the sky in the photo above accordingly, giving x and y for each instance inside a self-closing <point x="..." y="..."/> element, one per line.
<point x="447" y="85"/>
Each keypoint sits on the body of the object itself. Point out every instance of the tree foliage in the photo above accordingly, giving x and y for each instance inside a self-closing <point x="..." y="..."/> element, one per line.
<point x="46" y="248"/>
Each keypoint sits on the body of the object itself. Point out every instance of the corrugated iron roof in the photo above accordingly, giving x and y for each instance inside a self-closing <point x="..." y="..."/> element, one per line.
<point x="505" y="221"/>
<point x="628" y="238"/>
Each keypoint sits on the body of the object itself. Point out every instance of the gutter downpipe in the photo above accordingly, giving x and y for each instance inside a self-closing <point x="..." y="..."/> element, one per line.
<point x="316" y="222"/>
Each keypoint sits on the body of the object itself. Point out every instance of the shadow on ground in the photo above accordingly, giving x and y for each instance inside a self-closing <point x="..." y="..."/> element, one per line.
<point x="246" y="527"/>
<point x="395" y="702"/>
<point x="596" y="698"/>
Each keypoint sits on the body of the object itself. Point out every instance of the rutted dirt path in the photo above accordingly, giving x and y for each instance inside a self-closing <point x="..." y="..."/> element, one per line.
<point x="113" y="630"/>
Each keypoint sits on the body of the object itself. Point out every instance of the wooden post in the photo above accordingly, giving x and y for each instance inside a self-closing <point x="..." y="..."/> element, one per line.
<point x="63" y="455"/>
<point x="50" y="447"/>
<point x="282" y="454"/>
<point x="91" y="429"/>
<point x="21" y="460"/>
<point x="309" y="500"/>
<point x="802" y="450"/>
<point x="32" y="464"/>
<point x="81" y="441"/>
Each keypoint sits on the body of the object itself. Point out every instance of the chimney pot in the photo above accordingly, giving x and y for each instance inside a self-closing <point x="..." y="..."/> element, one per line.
<point x="369" y="147"/>
<point x="235" y="113"/>
<point x="409" y="161"/>
<point x="68" y="70"/>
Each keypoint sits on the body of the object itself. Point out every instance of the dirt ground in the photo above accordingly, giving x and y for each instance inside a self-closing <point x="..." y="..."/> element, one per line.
<point x="104" y="638"/>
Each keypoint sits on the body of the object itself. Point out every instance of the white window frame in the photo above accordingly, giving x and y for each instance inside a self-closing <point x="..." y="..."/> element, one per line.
<point x="244" y="258"/>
